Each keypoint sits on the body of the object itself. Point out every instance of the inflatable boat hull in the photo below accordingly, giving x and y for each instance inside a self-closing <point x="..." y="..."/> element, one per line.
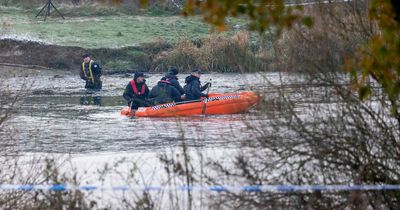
<point x="216" y="104"/>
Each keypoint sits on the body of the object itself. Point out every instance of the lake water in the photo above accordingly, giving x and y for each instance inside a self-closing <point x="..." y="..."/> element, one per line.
<point x="85" y="133"/>
<point x="60" y="116"/>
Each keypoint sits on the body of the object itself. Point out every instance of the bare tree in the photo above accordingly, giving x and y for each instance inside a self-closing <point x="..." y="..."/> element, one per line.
<point x="317" y="130"/>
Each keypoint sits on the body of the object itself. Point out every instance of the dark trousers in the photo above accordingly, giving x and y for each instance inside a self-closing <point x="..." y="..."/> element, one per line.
<point x="136" y="103"/>
<point x="96" y="85"/>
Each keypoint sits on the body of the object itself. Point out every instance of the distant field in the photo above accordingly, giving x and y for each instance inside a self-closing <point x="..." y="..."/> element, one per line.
<point x="95" y="31"/>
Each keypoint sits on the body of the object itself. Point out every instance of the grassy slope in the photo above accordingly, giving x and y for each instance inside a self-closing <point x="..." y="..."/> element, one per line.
<point x="106" y="31"/>
<point x="98" y="28"/>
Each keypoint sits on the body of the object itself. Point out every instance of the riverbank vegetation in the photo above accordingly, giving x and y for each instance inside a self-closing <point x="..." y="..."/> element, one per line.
<point x="325" y="131"/>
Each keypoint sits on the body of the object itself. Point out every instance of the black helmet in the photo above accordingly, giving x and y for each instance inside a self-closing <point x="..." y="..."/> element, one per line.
<point x="138" y="74"/>
<point x="173" y="71"/>
<point x="196" y="70"/>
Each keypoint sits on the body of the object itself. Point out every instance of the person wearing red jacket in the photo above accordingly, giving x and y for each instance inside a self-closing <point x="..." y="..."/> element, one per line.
<point x="137" y="92"/>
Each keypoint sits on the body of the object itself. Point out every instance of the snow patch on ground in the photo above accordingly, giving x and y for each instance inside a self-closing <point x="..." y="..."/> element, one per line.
<point x="24" y="37"/>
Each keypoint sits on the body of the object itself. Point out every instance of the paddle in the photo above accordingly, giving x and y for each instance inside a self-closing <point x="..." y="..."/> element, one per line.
<point x="130" y="107"/>
<point x="203" y="111"/>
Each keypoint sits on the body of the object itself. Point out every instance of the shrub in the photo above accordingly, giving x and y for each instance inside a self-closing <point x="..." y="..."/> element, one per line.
<point x="184" y="56"/>
<point x="216" y="53"/>
<point x="336" y="33"/>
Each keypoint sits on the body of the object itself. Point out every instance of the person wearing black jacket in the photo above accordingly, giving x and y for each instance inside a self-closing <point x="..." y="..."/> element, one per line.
<point x="193" y="88"/>
<point x="164" y="92"/>
<point x="137" y="92"/>
<point x="173" y="79"/>
<point x="91" y="73"/>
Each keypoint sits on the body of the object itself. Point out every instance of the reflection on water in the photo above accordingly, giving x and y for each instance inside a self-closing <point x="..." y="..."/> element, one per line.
<point x="60" y="116"/>
<point x="90" y="100"/>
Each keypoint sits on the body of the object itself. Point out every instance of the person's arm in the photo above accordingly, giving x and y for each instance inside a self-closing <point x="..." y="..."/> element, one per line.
<point x="178" y="86"/>
<point x="196" y="90"/>
<point x="204" y="87"/>
<point x="152" y="93"/>
<point x="146" y="91"/>
<point x="176" y="94"/>
<point x="96" y="68"/>
<point x="81" y="74"/>
<point x="128" y="93"/>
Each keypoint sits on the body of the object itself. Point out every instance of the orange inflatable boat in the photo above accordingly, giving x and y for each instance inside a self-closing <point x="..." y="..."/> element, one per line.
<point x="226" y="103"/>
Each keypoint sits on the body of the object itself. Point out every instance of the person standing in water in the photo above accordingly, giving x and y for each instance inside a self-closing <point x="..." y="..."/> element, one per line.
<point x="91" y="73"/>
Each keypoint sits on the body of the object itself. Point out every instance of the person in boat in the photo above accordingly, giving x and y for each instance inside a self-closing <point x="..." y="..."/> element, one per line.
<point x="193" y="88"/>
<point x="137" y="92"/>
<point x="164" y="92"/>
<point x="91" y="73"/>
<point x="173" y="79"/>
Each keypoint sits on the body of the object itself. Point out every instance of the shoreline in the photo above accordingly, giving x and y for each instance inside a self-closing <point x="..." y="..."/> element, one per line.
<point x="36" y="55"/>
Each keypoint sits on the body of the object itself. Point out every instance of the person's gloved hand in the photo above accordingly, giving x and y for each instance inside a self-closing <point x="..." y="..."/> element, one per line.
<point x="208" y="84"/>
<point x="133" y="100"/>
<point x="148" y="102"/>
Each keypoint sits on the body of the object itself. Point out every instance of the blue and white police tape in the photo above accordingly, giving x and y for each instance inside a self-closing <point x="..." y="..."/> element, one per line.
<point x="215" y="188"/>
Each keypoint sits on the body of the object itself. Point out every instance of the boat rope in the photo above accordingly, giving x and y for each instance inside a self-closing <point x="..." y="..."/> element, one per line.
<point x="215" y="188"/>
<point x="214" y="98"/>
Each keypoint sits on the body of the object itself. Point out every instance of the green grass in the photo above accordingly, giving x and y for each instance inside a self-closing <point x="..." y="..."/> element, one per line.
<point x="101" y="31"/>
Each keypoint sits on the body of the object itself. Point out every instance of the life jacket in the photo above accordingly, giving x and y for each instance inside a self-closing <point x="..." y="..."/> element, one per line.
<point x="135" y="90"/>
<point x="165" y="81"/>
<point x="90" y="70"/>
